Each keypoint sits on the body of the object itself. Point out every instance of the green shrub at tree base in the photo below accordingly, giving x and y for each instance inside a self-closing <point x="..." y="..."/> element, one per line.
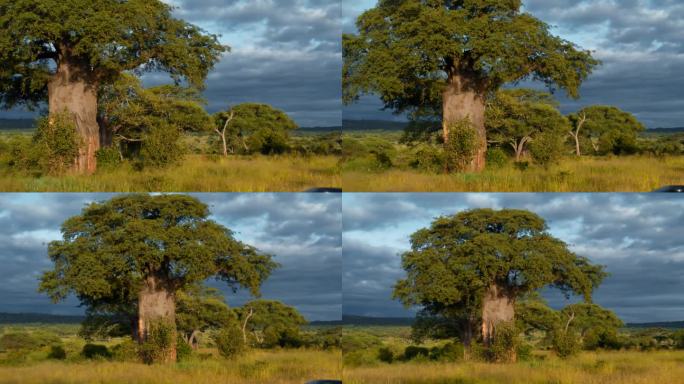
<point x="461" y="147"/>
<point x="126" y="351"/>
<point x="160" y="341"/>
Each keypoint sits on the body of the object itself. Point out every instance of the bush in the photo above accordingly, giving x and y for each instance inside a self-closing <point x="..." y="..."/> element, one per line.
<point x="505" y="344"/>
<point x="565" y="343"/>
<point x="462" y="145"/>
<point x="56" y="143"/>
<point x="412" y="352"/>
<point x="57" y="352"/>
<point x="126" y="351"/>
<point x="678" y="339"/>
<point x="386" y="355"/>
<point x="428" y="158"/>
<point x="108" y="158"/>
<point x="496" y="158"/>
<point x="229" y="341"/>
<point x="161" y="148"/>
<point x="160" y="340"/>
<point x="18" y="341"/>
<point x="96" y="352"/>
<point x="547" y="148"/>
<point x="450" y="352"/>
<point x="183" y="349"/>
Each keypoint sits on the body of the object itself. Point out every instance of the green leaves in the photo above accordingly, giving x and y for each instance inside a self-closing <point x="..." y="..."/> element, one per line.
<point x="102" y="37"/>
<point x="110" y="249"/>
<point x="405" y="50"/>
<point x="452" y="262"/>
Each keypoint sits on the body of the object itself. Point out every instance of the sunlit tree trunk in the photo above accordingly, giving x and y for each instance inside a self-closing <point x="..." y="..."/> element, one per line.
<point x="463" y="99"/>
<point x="74" y="90"/>
<point x="498" y="307"/>
<point x="156" y="304"/>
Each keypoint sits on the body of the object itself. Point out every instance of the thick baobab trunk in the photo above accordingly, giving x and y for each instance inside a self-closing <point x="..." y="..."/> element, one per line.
<point x="73" y="90"/>
<point x="464" y="99"/>
<point x="157" y="306"/>
<point x="498" y="306"/>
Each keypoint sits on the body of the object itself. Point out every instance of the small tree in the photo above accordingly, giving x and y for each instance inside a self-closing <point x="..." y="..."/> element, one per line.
<point x="609" y="129"/>
<point x="596" y="326"/>
<point x="253" y="128"/>
<point x="199" y="309"/>
<point x="518" y="116"/>
<point x="474" y="265"/>
<point x="270" y="323"/>
<point x="147" y="123"/>
<point x="139" y="251"/>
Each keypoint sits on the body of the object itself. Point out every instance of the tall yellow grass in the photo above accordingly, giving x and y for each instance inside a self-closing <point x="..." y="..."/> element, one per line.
<point x="662" y="367"/>
<point x="618" y="174"/>
<point x="258" y="367"/>
<point x="195" y="174"/>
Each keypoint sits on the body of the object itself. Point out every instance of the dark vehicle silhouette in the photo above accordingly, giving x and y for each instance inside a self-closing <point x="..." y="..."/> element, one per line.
<point x="324" y="190"/>
<point x="325" y="382"/>
<point x="671" y="189"/>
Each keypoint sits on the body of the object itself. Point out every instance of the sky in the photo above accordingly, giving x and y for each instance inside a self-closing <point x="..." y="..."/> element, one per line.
<point x="639" y="41"/>
<point x="302" y="231"/>
<point x="638" y="237"/>
<point x="286" y="53"/>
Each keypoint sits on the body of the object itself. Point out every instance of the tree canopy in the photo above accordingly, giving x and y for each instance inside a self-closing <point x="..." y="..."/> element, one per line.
<point x="102" y="36"/>
<point x="609" y="129"/>
<point x="271" y="323"/>
<point x="516" y="117"/>
<point x="255" y="128"/>
<point x="405" y="50"/>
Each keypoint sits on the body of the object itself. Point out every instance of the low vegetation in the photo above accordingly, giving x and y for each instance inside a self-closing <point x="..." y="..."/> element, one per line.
<point x="376" y="160"/>
<point x="389" y="354"/>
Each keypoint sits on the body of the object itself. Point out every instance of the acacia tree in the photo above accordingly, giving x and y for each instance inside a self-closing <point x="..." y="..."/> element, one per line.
<point x="198" y="309"/>
<point x="443" y="57"/>
<point x="474" y="266"/>
<point x="62" y="51"/>
<point x="608" y="129"/>
<point x="147" y="123"/>
<point x="253" y="128"/>
<point x="517" y="116"/>
<point x="139" y="251"/>
<point x="270" y="323"/>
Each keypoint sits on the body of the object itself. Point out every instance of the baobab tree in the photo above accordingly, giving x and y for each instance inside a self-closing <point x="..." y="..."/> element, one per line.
<point x="472" y="267"/>
<point x="442" y="58"/>
<point x="138" y="251"/>
<point x="62" y="51"/>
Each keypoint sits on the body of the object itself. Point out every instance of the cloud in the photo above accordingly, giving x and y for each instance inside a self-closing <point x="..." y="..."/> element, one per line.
<point x="302" y="231"/>
<point x="636" y="236"/>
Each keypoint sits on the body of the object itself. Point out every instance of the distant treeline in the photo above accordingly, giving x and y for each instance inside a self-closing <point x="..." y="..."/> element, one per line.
<point x="385" y="125"/>
<point x="42" y="318"/>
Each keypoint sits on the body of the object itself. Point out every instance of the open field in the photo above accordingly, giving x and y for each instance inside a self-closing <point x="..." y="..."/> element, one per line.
<point x="277" y="367"/>
<point x="197" y="173"/>
<point x="587" y="368"/>
<point x="590" y="174"/>
<point x="204" y="366"/>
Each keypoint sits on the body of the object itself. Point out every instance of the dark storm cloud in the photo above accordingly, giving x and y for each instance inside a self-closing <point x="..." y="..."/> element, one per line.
<point x="284" y="52"/>
<point x="302" y="231"/>
<point x="636" y="236"/>
<point x="639" y="42"/>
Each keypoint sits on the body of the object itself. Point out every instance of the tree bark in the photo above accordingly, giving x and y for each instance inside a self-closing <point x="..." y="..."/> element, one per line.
<point x="464" y="98"/>
<point x="157" y="304"/>
<point x="498" y="306"/>
<point x="74" y="90"/>
<point x="575" y="134"/>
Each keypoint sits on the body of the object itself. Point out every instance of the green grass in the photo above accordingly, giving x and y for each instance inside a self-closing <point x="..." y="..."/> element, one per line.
<point x="196" y="173"/>
<point x="589" y="174"/>
<point x="587" y="368"/>
<point x="273" y="367"/>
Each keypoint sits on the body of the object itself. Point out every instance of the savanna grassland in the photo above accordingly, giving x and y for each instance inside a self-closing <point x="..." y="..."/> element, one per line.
<point x="377" y="161"/>
<point x="379" y="354"/>
<point x="279" y="366"/>
<point x="306" y="167"/>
